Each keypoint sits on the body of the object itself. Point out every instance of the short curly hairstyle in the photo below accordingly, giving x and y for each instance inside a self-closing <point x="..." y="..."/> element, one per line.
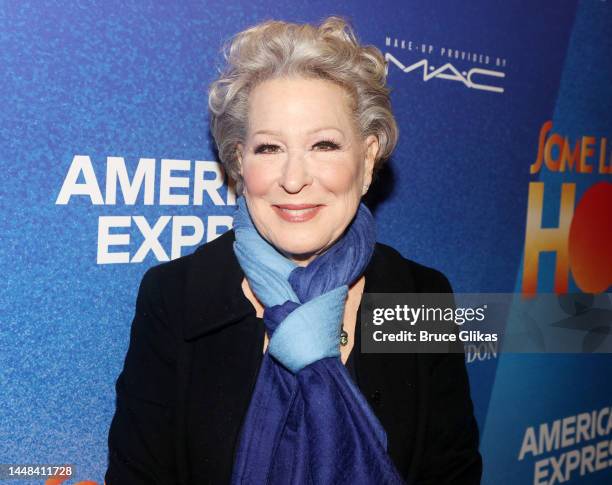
<point x="274" y="49"/>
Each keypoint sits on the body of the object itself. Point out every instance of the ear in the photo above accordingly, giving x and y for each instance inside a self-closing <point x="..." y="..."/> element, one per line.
<point x="371" y="149"/>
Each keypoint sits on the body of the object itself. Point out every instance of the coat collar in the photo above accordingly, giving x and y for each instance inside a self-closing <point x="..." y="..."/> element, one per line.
<point x="214" y="297"/>
<point x="213" y="293"/>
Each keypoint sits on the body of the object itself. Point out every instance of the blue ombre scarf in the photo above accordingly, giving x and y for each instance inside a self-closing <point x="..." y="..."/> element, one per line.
<point x="307" y="422"/>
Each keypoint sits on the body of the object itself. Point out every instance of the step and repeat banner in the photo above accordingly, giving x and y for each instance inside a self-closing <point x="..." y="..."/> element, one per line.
<point x="502" y="179"/>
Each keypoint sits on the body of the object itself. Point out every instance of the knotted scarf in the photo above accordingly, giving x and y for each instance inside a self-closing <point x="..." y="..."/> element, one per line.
<point x="307" y="422"/>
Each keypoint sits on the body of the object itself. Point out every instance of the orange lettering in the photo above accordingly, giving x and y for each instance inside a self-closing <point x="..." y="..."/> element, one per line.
<point x="569" y="158"/>
<point x="539" y="239"/>
<point x="558" y="141"/>
<point x="535" y="167"/>
<point x="586" y="151"/>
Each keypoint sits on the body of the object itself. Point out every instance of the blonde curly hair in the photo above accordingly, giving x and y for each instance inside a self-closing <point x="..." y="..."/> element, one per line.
<point x="275" y="49"/>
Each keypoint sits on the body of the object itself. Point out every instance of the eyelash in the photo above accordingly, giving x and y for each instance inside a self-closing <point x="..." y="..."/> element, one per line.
<point x="331" y="144"/>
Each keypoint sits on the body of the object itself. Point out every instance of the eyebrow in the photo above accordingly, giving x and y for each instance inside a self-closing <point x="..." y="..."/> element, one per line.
<point x="276" y="133"/>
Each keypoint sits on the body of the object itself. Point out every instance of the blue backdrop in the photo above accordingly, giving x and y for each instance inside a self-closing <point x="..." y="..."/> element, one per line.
<point x="99" y="93"/>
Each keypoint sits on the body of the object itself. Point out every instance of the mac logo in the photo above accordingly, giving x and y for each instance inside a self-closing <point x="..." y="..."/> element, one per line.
<point x="475" y="78"/>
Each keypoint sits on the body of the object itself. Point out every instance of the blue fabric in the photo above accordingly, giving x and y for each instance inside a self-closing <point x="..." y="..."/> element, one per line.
<point x="307" y="422"/>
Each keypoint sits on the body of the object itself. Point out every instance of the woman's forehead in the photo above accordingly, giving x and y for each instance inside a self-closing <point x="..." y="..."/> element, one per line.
<point x="302" y="106"/>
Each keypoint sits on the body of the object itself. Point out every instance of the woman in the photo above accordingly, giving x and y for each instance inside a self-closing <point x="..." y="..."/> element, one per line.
<point x="244" y="363"/>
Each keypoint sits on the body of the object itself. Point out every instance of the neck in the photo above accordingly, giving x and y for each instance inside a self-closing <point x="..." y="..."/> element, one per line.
<point x="352" y="301"/>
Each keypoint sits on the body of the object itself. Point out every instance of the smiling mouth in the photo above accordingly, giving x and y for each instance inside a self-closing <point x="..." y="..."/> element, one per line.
<point x="297" y="212"/>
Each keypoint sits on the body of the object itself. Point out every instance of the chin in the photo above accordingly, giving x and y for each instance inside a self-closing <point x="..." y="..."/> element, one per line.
<point x="299" y="251"/>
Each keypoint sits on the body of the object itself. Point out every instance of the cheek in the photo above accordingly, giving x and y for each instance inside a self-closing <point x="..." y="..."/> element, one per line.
<point x="257" y="180"/>
<point x="344" y="178"/>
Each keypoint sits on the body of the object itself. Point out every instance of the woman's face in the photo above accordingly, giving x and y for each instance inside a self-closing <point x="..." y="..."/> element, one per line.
<point x="303" y="164"/>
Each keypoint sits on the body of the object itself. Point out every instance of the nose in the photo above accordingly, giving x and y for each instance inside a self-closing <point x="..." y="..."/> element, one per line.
<point x="296" y="174"/>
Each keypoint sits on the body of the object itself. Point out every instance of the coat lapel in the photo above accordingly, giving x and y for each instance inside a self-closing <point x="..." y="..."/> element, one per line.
<point x="224" y="365"/>
<point x="213" y="295"/>
<point x="389" y="381"/>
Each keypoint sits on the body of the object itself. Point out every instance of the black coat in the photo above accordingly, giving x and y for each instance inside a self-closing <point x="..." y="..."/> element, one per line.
<point x="194" y="354"/>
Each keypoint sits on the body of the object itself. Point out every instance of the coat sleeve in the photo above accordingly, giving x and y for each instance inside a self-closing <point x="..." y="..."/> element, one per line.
<point x="450" y="454"/>
<point x="141" y="435"/>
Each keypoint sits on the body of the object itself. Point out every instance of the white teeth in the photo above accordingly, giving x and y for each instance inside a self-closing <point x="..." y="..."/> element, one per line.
<point x="298" y="212"/>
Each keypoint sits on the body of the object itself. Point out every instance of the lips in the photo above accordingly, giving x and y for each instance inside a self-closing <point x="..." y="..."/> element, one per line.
<point x="297" y="212"/>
